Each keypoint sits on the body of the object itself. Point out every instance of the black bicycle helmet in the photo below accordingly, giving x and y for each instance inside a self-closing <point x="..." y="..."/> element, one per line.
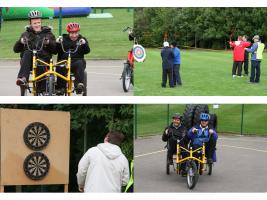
<point x="176" y="116"/>
<point x="35" y="14"/>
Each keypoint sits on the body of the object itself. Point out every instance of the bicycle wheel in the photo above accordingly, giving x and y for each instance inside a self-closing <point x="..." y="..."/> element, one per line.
<point x="167" y="165"/>
<point x="192" y="175"/>
<point x="132" y="76"/>
<point x="51" y="85"/>
<point x="209" y="169"/>
<point x="23" y="91"/>
<point x="85" y="84"/>
<point x="126" y="77"/>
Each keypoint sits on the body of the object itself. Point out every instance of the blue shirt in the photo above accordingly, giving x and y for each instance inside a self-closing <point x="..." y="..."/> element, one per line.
<point x="253" y="51"/>
<point x="177" y="56"/>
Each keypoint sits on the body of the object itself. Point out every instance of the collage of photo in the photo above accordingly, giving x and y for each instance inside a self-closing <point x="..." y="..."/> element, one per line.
<point x="141" y="54"/>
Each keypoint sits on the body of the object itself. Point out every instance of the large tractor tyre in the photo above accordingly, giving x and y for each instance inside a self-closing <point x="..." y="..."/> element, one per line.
<point x="200" y="108"/>
<point x="213" y="121"/>
<point x="188" y="115"/>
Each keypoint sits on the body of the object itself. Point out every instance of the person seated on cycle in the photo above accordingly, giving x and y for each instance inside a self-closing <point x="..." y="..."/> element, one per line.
<point x="78" y="63"/>
<point x="202" y="133"/>
<point x="34" y="35"/>
<point x="175" y="131"/>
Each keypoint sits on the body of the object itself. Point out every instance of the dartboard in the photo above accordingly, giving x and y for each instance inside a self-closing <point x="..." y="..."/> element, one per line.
<point x="36" y="136"/>
<point x="139" y="53"/>
<point x="36" y="166"/>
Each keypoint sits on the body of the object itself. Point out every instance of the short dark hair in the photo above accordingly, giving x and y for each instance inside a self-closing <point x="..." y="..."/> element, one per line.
<point x="174" y="44"/>
<point x="245" y="36"/>
<point x="115" y="137"/>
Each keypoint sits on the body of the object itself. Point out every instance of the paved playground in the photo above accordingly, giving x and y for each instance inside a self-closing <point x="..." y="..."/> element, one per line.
<point x="241" y="167"/>
<point x="103" y="78"/>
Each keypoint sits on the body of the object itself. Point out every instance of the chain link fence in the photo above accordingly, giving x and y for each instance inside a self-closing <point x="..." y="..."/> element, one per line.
<point x="248" y="119"/>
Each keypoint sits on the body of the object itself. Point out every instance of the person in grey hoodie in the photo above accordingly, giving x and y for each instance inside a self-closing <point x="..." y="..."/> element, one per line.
<point x="104" y="168"/>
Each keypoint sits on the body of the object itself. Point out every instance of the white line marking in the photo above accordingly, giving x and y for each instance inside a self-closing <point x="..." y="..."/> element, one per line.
<point x="244" y="139"/>
<point x="237" y="147"/>
<point x="147" y="154"/>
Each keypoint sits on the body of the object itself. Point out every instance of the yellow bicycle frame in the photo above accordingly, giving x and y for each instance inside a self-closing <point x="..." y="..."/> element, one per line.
<point x="191" y="157"/>
<point x="51" y="70"/>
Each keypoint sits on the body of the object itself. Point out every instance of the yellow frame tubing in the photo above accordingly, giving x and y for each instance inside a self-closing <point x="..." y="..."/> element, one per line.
<point x="34" y="67"/>
<point x="51" y="71"/>
<point x="191" y="151"/>
<point x="69" y="92"/>
<point x="177" y="157"/>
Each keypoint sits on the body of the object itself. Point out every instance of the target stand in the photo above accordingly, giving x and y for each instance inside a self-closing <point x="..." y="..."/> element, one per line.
<point x="34" y="148"/>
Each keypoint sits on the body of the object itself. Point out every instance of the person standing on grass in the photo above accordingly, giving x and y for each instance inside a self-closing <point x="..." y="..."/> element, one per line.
<point x="167" y="56"/>
<point x="238" y="55"/>
<point x="246" y="57"/>
<point x="104" y="168"/>
<point x="176" y="65"/>
<point x="256" y="56"/>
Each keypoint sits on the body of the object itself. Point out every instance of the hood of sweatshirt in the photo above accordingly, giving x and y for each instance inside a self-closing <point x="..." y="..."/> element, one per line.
<point x="111" y="151"/>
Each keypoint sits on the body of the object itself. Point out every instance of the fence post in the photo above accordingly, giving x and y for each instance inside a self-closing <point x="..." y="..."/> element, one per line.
<point x="60" y="22"/>
<point x="242" y="118"/>
<point x="0" y="19"/>
<point x="168" y="114"/>
<point x="135" y="121"/>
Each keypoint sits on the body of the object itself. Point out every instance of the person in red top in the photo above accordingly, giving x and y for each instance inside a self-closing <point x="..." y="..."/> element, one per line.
<point x="238" y="55"/>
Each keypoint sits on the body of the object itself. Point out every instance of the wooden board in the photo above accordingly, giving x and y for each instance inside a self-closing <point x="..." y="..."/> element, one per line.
<point x="14" y="151"/>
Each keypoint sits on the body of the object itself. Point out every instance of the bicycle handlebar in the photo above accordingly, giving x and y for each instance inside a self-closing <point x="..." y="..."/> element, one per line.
<point x="35" y="49"/>
<point x="70" y="51"/>
<point x="127" y="28"/>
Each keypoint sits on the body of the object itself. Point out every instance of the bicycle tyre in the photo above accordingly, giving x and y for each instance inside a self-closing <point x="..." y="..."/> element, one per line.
<point x="126" y="77"/>
<point x="192" y="175"/>
<point x="85" y="84"/>
<point x="209" y="169"/>
<point x="51" y="84"/>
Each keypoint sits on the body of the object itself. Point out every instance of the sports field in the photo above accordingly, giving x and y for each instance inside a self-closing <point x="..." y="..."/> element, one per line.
<point x="203" y="73"/>
<point x="106" y="39"/>
<point x="152" y="119"/>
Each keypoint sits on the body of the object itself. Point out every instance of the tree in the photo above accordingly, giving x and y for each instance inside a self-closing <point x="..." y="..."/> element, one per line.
<point x="198" y="27"/>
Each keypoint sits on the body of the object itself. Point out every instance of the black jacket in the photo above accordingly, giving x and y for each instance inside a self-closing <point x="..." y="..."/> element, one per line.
<point x="167" y="56"/>
<point x="35" y="41"/>
<point x="69" y="44"/>
<point x="175" y="133"/>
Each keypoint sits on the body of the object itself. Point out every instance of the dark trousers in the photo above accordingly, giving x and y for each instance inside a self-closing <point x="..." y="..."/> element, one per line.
<point x="237" y="65"/>
<point x="210" y="147"/>
<point x="246" y="67"/>
<point x="167" y="73"/>
<point x="255" y="71"/>
<point x="77" y="68"/>
<point x="172" y="149"/>
<point x="176" y="75"/>
<point x="26" y="68"/>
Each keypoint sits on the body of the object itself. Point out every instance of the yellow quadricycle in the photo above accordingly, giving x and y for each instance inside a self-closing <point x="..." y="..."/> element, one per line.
<point x="190" y="162"/>
<point x="49" y="74"/>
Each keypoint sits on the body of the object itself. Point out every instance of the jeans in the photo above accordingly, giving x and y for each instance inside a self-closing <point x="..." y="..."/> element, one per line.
<point x="176" y="75"/>
<point x="255" y="71"/>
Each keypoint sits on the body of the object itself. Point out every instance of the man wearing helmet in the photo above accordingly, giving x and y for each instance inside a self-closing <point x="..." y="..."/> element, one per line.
<point x="175" y="131"/>
<point x="78" y="63"/>
<point x="201" y="133"/>
<point x="35" y="33"/>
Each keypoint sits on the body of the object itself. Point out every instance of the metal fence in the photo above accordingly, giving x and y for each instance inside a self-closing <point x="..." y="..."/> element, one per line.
<point x="248" y="119"/>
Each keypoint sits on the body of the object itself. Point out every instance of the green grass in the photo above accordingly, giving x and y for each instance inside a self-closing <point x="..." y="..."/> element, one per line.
<point x="106" y="39"/>
<point x="152" y="119"/>
<point x="203" y="73"/>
